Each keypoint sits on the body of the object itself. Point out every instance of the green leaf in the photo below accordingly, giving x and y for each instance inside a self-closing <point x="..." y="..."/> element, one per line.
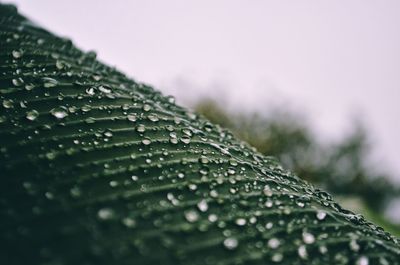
<point x="99" y="169"/>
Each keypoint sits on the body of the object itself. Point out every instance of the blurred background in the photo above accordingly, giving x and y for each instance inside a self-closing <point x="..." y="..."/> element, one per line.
<point x="314" y="83"/>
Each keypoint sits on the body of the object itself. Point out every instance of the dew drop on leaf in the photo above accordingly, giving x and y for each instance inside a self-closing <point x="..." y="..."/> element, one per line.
<point x="231" y="243"/>
<point x="59" y="112"/>
<point x="191" y="216"/>
<point x="49" y="82"/>
<point x="273" y="243"/>
<point x="363" y="260"/>
<point x="32" y="115"/>
<point x="146" y="141"/>
<point x="105" y="214"/>
<point x="17" y="54"/>
<point x="321" y="215"/>
<point x="202" y="205"/>
<point x="308" y="238"/>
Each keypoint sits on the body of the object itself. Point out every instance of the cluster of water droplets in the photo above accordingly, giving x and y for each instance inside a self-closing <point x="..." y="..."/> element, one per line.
<point x="135" y="161"/>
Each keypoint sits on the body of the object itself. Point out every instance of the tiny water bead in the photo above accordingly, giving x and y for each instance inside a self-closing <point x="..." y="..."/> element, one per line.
<point x="277" y="257"/>
<point x="129" y="222"/>
<point x="59" y="112"/>
<point x="146" y="107"/>
<point x="240" y="221"/>
<point x="17" y="54"/>
<point x="105" y="89"/>
<point x="8" y="103"/>
<point x="60" y="64"/>
<point x="32" y="115"/>
<point x="18" y="82"/>
<point x="308" y="238"/>
<point x="49" y="82"/>
<point x="185" y="139"/>
<point x="231" y="243"/>
<point x="131" y="117"/>
<point x="91" y="91"/>
<point x="202" y="205"/>
<point x="354" y="246"/>
<point x="153" y="117"/>
<point x="321" y="215"/>
<point x="273" y="243"/>
<point x="267" y="191"/>
<point x="146" y="141"/>
<point x="105" y="213"/>
<point x="363" y="260"/>
<point x="191" y="216"/>
<point x="141" y="128"/>
<point x="302" y="251"/>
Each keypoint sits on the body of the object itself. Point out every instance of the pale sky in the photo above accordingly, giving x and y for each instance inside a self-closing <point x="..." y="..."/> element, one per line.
<point x="331" y="59"/>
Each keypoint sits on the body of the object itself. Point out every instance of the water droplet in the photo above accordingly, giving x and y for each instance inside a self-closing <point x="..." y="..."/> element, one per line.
<point x="302" y="251"/>
<point x="233" y="162"/>
<point x="17" y="54"/>
<point x="105" y="214"/>
<point x="321" y="215"/>
<point x="212" y="218"/>
<point x="240" y="221"/>
<point x="204" y="160"/>
<point x="17" y="81"/>
<point x="113" y="183"/>
<point x="59" y="112"/>
<point x="354" y="246"/>
<point x="105" y="89"/>
<point x="108" y="134"/>
<point x="90" y="91"/>
<point x="8" y="103"/>
<point x="231" y="243"/>
<point x="146" y="141"/>
<point x="363" y="260"/>
<point x="187" y="132"/>
<point x="269" y="204"/>
<point x="202" y="205"/>
<point x="171" y="99"/>
<point x="277" y="257"/>
<point x="273" y="243"/>
<point x="141" y="128"/>
<point x="29" y="86"/>
<point x="308" y="238"/>
<point x="132" y="117"/>
<point x="32" y="115"/>
<point x="86" y="108"/>
<point x="185" y="139"/>
<point x="267" y="191"/>
<point x="323" y="249"/>
<point x="90" y="120"/>
<point x="49" y="82"/>
<point x="59" y="65"/>
<point x="153" y="117"/>
<point x="191" y="216"/>
<point x="173" y="140"/>
<point x="129" y="222"/>
<point x="146" y="107"/>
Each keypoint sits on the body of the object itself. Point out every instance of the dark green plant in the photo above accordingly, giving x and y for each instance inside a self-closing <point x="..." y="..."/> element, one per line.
<point x="98" y="169"/>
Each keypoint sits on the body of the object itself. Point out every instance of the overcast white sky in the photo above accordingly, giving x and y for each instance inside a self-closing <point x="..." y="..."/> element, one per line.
<point x="332" y="59"/>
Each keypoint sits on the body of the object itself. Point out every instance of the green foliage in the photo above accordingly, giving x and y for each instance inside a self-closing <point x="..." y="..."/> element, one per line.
<point x="98" y="169"/>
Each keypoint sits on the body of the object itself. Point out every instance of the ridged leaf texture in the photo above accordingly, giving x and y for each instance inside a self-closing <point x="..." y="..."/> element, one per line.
<point x="99" y="169"/>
